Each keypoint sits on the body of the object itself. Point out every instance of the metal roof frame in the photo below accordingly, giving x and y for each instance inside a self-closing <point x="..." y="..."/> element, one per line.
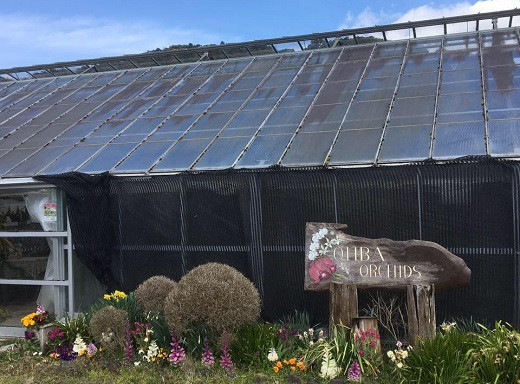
<point x="168" y="57"/>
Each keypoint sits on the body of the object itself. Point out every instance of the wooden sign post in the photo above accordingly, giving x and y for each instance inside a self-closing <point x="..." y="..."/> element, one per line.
<point x="342" y="263"/>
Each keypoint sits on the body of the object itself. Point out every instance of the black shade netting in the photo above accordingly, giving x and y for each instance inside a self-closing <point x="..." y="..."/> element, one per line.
<point x="255" y="221"/>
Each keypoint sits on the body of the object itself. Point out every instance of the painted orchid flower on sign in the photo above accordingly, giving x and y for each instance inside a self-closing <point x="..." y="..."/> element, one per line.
<point x="321" y="269"/>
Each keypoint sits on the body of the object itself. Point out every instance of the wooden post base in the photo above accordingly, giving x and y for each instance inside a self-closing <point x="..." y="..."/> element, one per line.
<point x="364" y="323"/>
<point x="421" y="312"/>
<point x="343" y="304"/>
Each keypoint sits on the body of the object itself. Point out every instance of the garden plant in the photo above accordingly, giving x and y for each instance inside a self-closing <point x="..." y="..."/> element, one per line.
<point x="222" y="340"/>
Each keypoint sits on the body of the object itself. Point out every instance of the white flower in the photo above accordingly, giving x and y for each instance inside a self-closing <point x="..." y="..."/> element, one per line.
<point x="321" y="333"/>
<point x="329" y="368"/>
<point x="311" y="331"/>
<point x="315" y="238"/>
<point x="404" y="354"/>
<point x="80" y="347"/>
<point x="399" y="344"/>
<point x="136" y="363"/>
<point x="313" y="255"/>
<point x="314" y="246"/>
<point x="399" y="365"/>
<point x="391" y="355"/>
<point x="305" y="334"/>
<point x="272" y="356"/>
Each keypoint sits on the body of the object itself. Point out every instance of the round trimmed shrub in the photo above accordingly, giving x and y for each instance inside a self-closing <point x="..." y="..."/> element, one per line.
<point x="107" y="326"/>
<point x="151" y="293"/>
<point x="215" y="294"/>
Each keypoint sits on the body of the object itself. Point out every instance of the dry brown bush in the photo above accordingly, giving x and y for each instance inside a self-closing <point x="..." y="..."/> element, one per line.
<point x="108" y="327"/>
<point x="215" y="294"/>
<point x="151" y="293"/>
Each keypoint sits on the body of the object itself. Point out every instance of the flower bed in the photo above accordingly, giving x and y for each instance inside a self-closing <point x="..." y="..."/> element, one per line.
<point x="116" y="334"/>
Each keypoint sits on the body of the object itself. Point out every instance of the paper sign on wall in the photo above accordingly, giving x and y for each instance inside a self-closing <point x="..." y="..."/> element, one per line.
<point x="50" y="212"/>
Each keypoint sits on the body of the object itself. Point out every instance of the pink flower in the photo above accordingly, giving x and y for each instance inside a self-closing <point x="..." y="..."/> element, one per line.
<point x="321" y="269"/>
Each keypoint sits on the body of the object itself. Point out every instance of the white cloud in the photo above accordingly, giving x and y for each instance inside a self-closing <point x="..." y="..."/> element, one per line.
<point x="32" y="40"/>
<point x="369" y="18"/>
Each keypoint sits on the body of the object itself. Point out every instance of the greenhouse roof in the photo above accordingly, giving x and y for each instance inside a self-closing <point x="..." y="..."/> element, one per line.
<point x="437" y="98"/>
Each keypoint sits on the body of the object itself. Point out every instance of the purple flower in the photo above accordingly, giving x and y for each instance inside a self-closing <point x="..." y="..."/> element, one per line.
<point x="354" y="372"/>
<point x="40" y="310"/>
<point x="91" y="349"/>
<point x="129" y="347"/>
<point x="207" y="356"/>
<point x="28" y="335"/>
<point x="65" y="352"/>
<point x="225" y="357"/>
<point x="177" y="354"/>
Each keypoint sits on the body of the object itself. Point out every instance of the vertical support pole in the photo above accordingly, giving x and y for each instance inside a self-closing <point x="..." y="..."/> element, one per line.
<point x="343" y="304"/>
<point x="421" y="312"/>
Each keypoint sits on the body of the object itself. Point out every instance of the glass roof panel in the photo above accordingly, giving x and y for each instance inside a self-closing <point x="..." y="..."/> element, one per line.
<point x="411" y="143"/>
<point x="12" y="158"/>
<point x="143" y="157"/>
<point x="356" y="146"/>
<point x="504" y="137"/>
<point x="308" y="149"/>
<point x="107" y="158"/>
<point x="222" y="153"/>
<point x="181" y="156"/>
<point x="71" y="160"/>
<point x="502" y="77"/>
<point x="456" y="140"/>
<point x="264" y="151"/>
<point x="35" y="163"/>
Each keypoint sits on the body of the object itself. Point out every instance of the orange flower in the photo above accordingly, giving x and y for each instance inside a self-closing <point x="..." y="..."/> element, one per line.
<point x="300" y="366"/>
<point x="286" y="362"/>
<point x="293" y="368"/>
<point x="292" y="361"/>
<point x="276" y="369"/>
<point x="279" y="364"/>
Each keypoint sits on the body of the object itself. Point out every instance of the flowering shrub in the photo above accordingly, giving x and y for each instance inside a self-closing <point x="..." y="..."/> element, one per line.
<point x="36" y="319"/>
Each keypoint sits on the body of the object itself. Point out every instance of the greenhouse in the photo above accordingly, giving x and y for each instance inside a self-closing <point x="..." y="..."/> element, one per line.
<point x="117" y="169"/>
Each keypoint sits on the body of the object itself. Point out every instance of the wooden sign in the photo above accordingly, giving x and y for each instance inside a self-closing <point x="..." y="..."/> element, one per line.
<point x="334" y="256"/>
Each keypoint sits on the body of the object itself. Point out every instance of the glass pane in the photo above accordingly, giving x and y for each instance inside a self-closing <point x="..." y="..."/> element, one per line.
<point x="19" y="213"/>
<point x="460" y="60"/>
<point x="309" y="149"/>
<point x="222" y="153"/>
<point x="264" y="151"/>
<point x="159" y="89"/>
<point x="502" y="77"/>
<point x="178" y="123"/>
<point x="111" y="128"/>
<point x="285" y="116"/>
<point x="43" y="136"/>
<point x="503" y="99"/>
<point x="462" y="87"/>
<point x="504" y="137"/>
<point x="327" y="113"/>
<point x="107" y="158"/>
<point x="414" y="106"/>
<point x="337" y="92"/>
<point x="456" y="140"/>
<point x="406" y="144"/>
<point x="11" y="159"/>
<point x="430" y="79"/>
<point x="143" y="157"/>
<point x="375" y="94"/>
<point x="181" y="156"/>
<point x="356" y="146"/>
<point x="201" y="134"/>
<point x="164" y="136"/>
<point x="376" y="110"/>
<point x="313" y="74"/>
<point x="347" y="71"/>
<point x="141" y="126"/>
<point x="421" y="63"/>
<point x="462" y="75"/>
<point x="79" y="130"/>
<point x="212" y="121"/>
<point x="465" y="102"/>
<point x="249" y="119"/>
<point x="134" y="108"/>
<point x="37" y="162"/>
<point x="71" y="160"/>
<point x="165" y="107"/>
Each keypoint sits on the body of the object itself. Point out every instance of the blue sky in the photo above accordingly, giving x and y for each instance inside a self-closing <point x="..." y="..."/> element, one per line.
<point x="36" y="32"/>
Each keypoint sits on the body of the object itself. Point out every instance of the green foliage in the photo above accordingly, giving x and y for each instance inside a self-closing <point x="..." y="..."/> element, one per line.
<point x="193" y="339"/>
<point x="441" y="360"/>
<point x="339" y="345"/>
<point x="251" y="344"/>
<point x="495" y="355"/>
<point x="72" y="327"/>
